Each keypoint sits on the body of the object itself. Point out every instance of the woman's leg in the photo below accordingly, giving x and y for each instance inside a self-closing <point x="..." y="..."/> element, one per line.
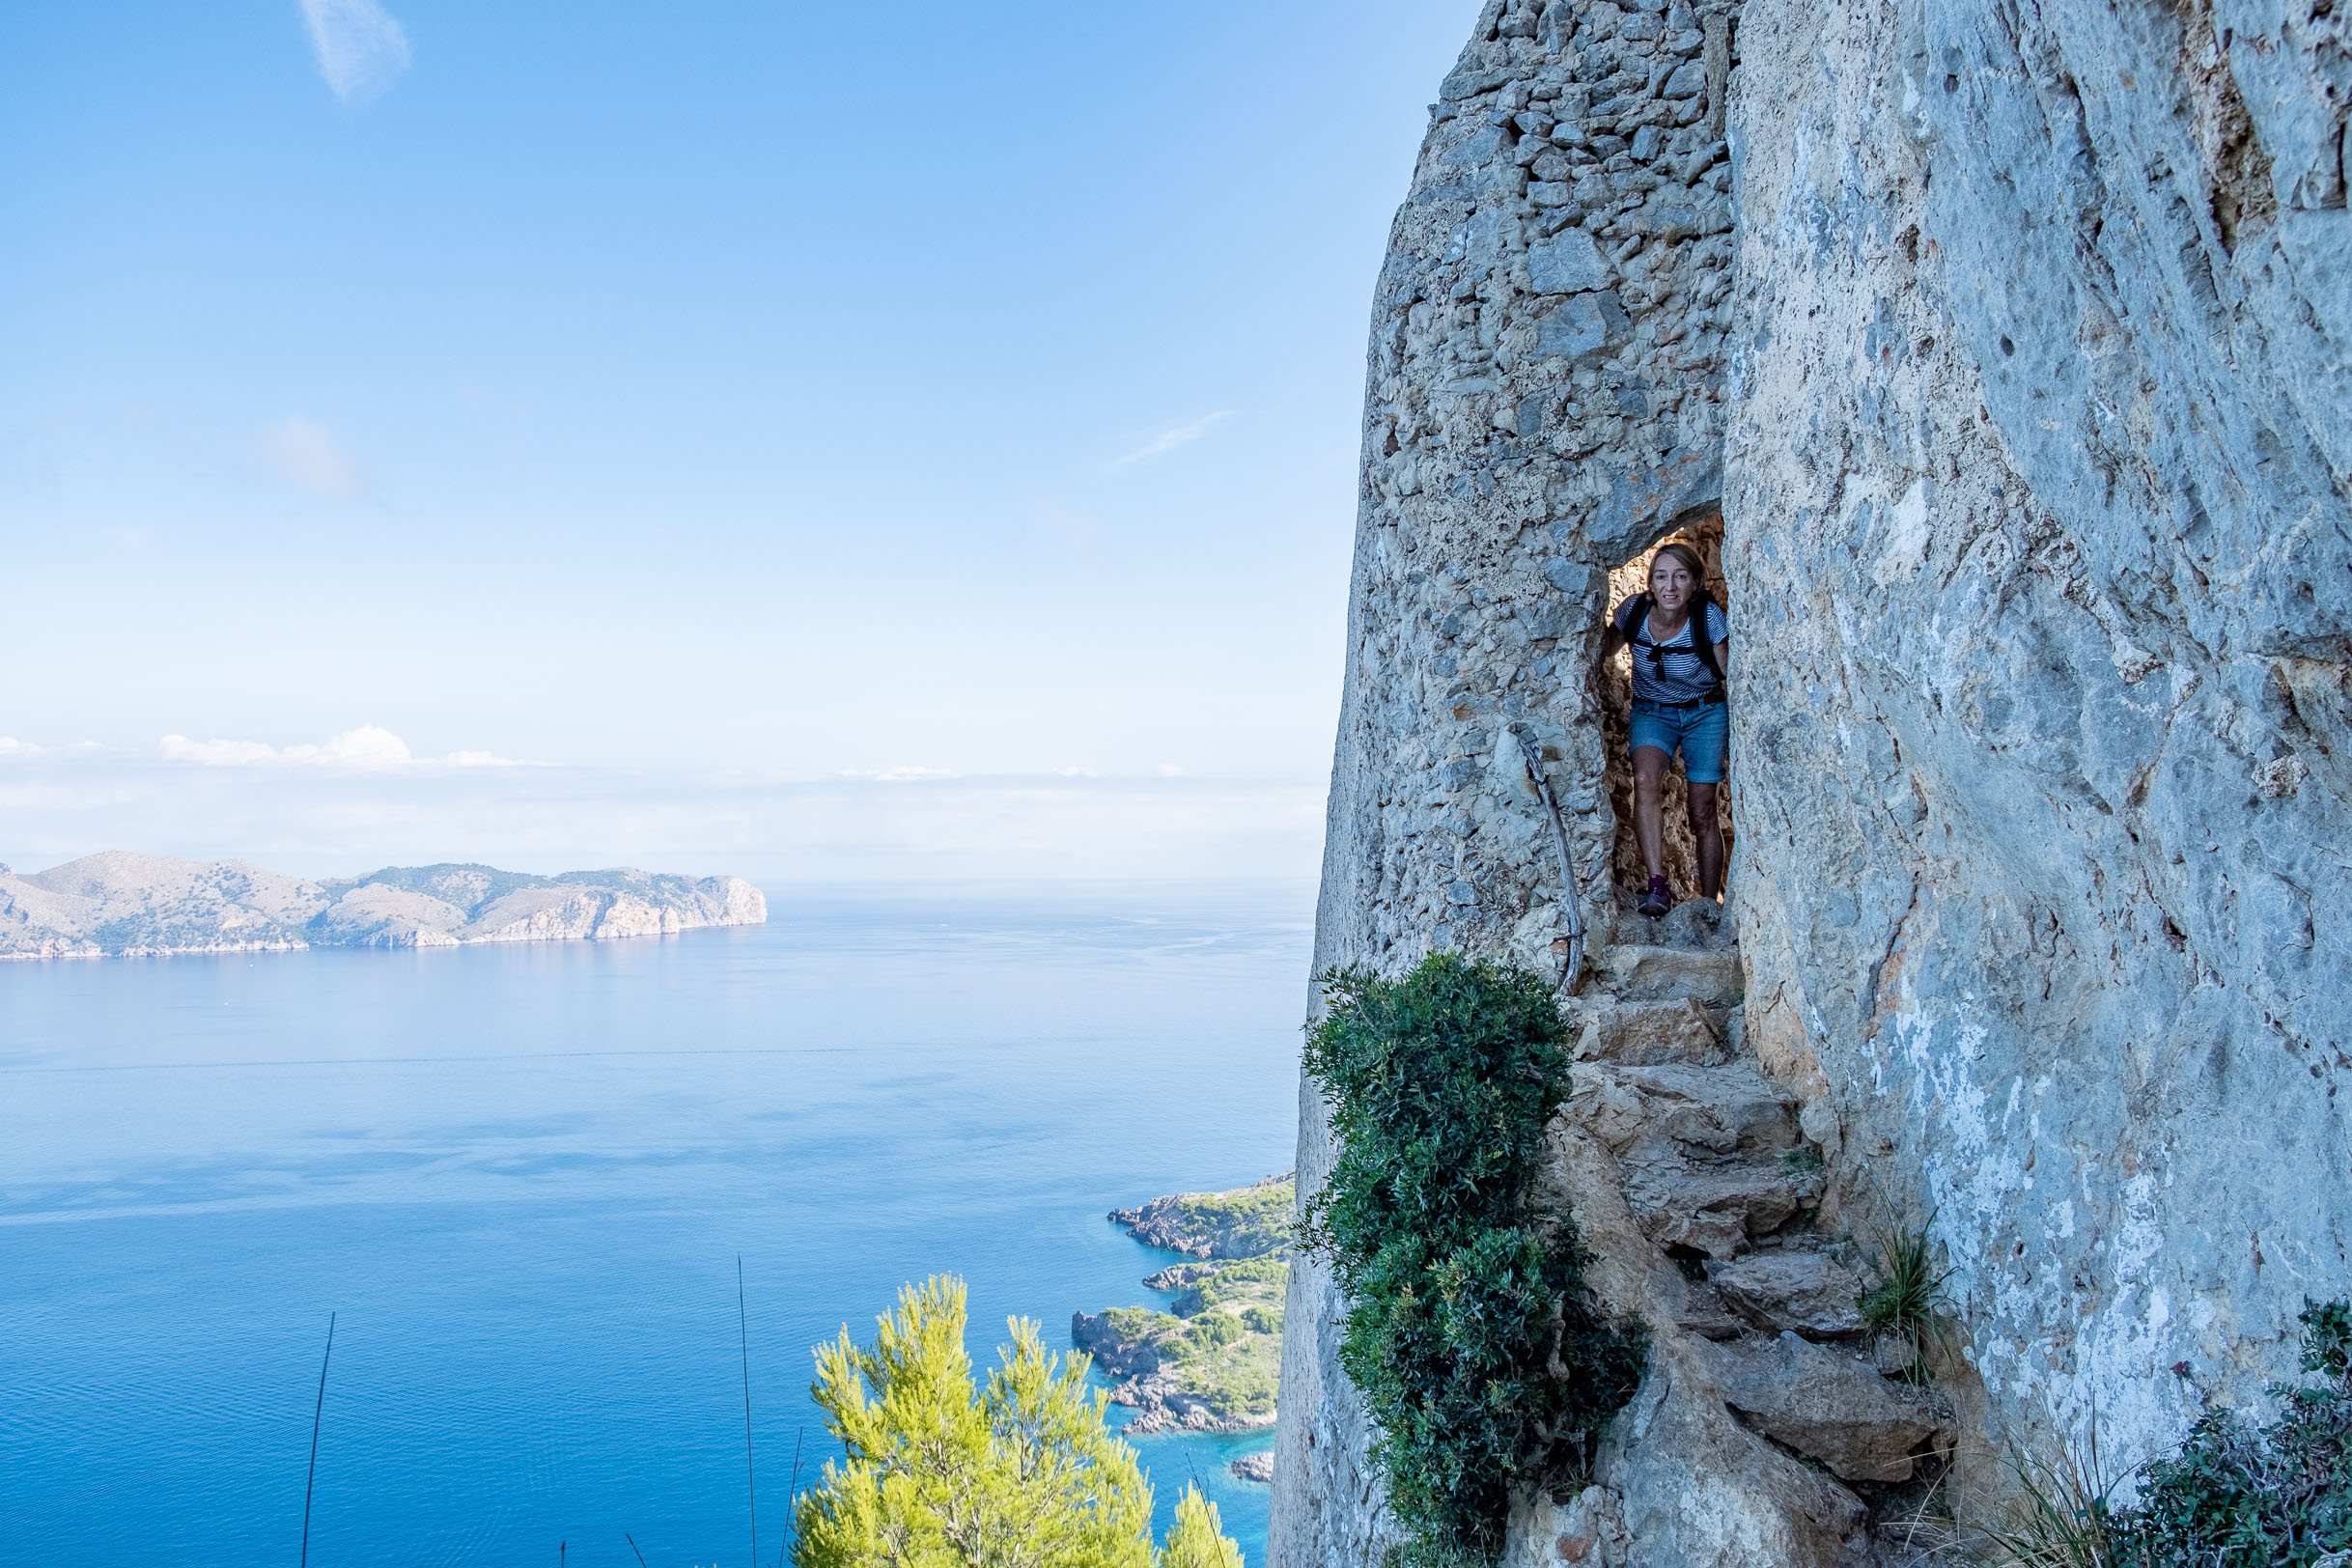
<point x="1650" y="809"/>
<point x="1706" y="745"/>
<point x="1707" y="827"/>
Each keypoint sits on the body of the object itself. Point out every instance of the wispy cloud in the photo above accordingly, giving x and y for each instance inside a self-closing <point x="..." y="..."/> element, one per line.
<point x="1169" y="440"/>
<point x="360" y="48"/>
<point x="369" y="749"/>
<point x="307" y="455"/>
<point x="903" y="773"/>
<point x="281" y="807"/>
<point x="1081" y="530"/>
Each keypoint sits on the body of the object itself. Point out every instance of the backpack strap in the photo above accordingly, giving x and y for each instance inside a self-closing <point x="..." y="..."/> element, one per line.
<point x="1638" y="628"/>
<point x="1700" y="643"/>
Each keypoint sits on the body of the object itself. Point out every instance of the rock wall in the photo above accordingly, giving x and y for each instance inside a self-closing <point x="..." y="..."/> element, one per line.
<point x="2021" y="382"/>
<point x="1545" y="387"/>
<point x="2035" y="508"/>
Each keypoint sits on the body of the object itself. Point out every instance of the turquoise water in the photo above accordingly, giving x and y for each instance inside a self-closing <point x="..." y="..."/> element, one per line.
<point x="521" y="1176"/>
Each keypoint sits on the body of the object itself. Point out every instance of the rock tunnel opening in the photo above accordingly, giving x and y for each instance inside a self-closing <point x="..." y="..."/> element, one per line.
<point x="1702" y="529"/>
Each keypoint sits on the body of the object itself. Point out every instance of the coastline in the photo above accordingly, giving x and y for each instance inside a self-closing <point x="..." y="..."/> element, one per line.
<point x="1211" y="1362"/>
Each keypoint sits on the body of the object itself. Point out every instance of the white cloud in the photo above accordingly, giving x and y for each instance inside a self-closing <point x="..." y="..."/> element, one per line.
<point x="305" y="454"/>
<point x="1169" y="440"/>
<point x="11" y="747"/>
<point x="1081" y="530"/>
<point x="369" y="749"/>
<point x="903" y="773"/>
<point x="288" y="808"/>
<point x="360" y="49"/>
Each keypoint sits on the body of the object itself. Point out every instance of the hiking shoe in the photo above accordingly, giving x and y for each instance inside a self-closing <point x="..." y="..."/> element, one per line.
<point x="1657" y="901"/>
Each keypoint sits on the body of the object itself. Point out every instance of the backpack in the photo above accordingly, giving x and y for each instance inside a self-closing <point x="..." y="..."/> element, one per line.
<point x="1637" y="629"/>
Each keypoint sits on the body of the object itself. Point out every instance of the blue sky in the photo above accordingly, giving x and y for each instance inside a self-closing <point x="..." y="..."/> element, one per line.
<point x="700" y="403"/>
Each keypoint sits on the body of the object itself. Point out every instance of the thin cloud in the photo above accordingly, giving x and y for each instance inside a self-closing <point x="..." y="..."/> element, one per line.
<point x="360" y="49"/>
<point x="903" y="773"/>
<point x="305" y="454"/>
<point x="369" y="748"/>
<point x="1081" y="531"/>
<point x="1169" y="440"/>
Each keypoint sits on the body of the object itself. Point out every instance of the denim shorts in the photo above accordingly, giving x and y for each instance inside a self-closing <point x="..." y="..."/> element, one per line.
<point x="1702" y="734"/>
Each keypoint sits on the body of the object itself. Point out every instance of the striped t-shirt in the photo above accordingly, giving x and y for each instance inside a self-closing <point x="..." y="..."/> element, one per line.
<point x="1676" y="674"/>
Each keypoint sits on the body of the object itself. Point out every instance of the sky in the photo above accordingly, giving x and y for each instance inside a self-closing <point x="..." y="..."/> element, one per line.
<point x="793" y="440"/>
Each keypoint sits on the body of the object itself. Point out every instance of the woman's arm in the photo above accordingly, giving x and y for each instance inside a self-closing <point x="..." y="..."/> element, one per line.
<point x="1722" y="658"/>
<point x="1614" y="637"/>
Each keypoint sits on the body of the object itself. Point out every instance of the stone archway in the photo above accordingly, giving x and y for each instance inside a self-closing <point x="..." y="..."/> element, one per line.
<point x="1702" y="528"/>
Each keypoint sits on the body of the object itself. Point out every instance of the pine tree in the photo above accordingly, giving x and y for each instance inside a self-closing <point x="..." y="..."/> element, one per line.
<point x="1022" y="1473"/>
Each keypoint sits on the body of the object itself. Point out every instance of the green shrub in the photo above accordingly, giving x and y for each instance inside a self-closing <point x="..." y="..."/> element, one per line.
<point x="2278" y="1497"/>
<point x="1239" y="1390"/>
<point x="1907" y="1300"/>
<point x="2234" y="1497"/>
<point x="1235" y="1280"/>
<point x="1140" y="1321"/>
<point x="1212" y="1331"/>
<point x="1262" y="1319"/>
<point x="1440" y="1086"/>
<point x="1021" y="1467"/>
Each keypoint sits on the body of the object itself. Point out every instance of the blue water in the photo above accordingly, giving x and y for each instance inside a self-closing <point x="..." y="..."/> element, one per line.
<point x="521" y="1177"/>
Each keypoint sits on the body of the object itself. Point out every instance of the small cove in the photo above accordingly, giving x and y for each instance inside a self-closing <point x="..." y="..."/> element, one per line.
<point x="522" y="1174"/>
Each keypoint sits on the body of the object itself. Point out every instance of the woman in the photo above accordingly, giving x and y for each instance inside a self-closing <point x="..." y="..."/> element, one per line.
<point x="1678" y="705"/>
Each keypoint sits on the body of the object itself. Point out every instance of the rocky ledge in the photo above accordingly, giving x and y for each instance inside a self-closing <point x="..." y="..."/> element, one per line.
<point x="131" y="905"/>
<point x="1246" y="1222"/>
<point x="1210" y="1362"/>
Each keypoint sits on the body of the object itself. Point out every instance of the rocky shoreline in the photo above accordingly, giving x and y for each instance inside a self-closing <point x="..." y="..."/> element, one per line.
<point x="1212" y="1362"/>
<point x="119" y="905"/>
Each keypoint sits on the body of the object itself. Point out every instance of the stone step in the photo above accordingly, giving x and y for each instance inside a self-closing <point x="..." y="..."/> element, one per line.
<point x="1639" y="972"/>
<point x="1787" y="1288"/>
<point x="1834" y="1407"/>
<point x="1695" y="922"/>
<point x="1712" y="1156"/>
<point x="1638" y="1035"/>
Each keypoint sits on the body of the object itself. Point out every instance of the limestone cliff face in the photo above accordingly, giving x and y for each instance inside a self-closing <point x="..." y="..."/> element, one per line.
<point x="2011" y="347"/>
<point x="2035" y="514"/>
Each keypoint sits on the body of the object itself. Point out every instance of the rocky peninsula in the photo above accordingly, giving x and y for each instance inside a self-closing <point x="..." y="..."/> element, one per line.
<point x="1211" y="1360"/>
<point x="120" y="904"/>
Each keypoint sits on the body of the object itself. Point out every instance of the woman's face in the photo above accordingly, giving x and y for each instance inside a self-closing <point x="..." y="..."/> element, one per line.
<point x="1670" y="585"/>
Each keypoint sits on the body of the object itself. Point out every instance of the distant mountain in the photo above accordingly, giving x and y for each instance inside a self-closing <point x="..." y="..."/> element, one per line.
<point x="120" y="905"/>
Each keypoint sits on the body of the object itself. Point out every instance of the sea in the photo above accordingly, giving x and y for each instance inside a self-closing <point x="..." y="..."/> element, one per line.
<point x="520" y="1180"/>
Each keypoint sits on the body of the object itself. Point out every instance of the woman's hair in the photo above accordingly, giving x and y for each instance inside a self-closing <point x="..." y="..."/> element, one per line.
<point x="1687" y="556"/>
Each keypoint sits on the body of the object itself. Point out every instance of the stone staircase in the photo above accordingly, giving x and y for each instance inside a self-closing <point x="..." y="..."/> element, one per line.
<point x="1766" y="1431"/>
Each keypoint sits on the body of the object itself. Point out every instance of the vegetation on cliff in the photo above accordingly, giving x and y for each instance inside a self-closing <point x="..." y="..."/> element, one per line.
<point x="2229" y="1497"/>
<point x="1246" y="1222"/>
<point x="1023" y="1469"/>
<point x="1469" y="1331"/>
<point x="1214" y="1361"/>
